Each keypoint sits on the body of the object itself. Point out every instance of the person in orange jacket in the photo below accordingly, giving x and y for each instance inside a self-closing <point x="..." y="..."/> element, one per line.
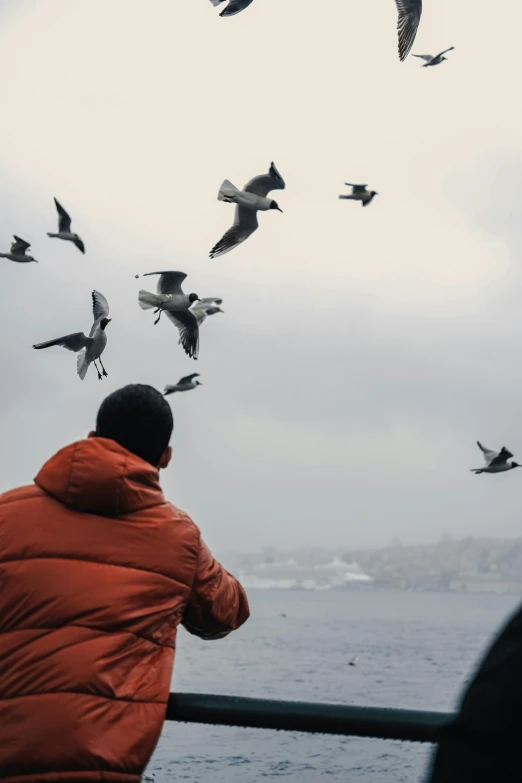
<point x="97" y="570"/>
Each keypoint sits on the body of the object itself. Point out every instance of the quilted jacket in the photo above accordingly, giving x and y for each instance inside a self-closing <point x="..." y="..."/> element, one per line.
<point x="97" y="570"/>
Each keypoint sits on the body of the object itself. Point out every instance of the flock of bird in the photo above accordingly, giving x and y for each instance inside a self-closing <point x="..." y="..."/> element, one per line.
<point x="187" y="312"/>
<point x="409" y="12"/>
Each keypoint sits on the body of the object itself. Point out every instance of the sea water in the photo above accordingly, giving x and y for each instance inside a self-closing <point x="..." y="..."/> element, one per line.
<point x="415" y="650"/>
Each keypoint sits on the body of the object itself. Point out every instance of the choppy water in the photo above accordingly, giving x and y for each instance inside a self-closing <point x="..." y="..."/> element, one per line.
<point x="415" y="650"/>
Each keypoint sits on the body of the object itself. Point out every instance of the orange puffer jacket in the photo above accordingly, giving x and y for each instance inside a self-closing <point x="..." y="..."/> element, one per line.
<point x="96" y="572"/>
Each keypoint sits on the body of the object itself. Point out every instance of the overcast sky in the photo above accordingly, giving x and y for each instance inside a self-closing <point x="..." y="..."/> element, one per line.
<point x="363" y="351"/>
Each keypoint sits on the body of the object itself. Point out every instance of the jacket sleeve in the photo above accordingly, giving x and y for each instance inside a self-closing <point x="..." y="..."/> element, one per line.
<point x="217" y="603"/>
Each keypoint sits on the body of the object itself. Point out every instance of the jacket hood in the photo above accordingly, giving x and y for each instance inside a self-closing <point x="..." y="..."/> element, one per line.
<point x="99" y="476"/>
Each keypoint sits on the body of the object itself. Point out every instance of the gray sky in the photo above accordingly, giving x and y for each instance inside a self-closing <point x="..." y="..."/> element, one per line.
<point x="362" y="352"/>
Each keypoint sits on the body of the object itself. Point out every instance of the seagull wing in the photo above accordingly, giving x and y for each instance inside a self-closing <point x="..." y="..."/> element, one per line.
<point x="444" y="52"/>
<point x="245" y="223"/>
<point x="19" y="246"/>
<point x="64" y="219"/>
<point x="407" y="24"/>
<point x="263" y="184"/>
<point x="100" y="306"/>
<point x="200" y="316"/>
<point x="502" y="457"/>
<point x="489" y="455"/>
<point x="73" y="342"/>
<point x="215" y="3"/>
<point x="427" y="57"/>
<point x="187" y="378"/>
<point x="169" y="282"/>
<point x="357" y="188"/>
<point x="207" y="301"/>
<point x="100" y="309"/>
<point x="79" y="244"/>
<point x="187" y="324"/>
<point x="234" y="7"/>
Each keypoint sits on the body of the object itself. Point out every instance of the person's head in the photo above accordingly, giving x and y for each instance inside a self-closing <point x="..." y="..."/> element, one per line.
<point x="139" y="419"/>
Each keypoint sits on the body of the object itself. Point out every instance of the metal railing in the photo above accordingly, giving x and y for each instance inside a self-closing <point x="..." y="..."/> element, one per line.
<point x="378" y="722"/>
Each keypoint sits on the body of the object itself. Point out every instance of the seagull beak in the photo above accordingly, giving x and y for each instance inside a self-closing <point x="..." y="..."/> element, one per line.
<point x="280" y="210"/>
<point x="109" y="320"/>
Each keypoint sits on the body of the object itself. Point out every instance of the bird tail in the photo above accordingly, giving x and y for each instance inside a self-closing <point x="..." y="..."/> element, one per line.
<point x="51" y="235"/>
<point x="227" y="191"/>
<point x="346" y="196"/>
<point x="477" y="470"/>
<point x="169" y="390"/>
<point x="147" y="300"/>
<point x="82" y="365"/>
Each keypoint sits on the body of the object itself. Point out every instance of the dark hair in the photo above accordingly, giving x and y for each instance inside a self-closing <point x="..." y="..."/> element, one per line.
<point x="139" y="419"/>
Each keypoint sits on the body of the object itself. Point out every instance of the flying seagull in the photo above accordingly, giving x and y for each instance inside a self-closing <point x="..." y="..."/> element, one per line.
<point x="252" y="198"/>
<point x="433" y="60"/>
<point x="354" y="660"/>
<point x="233" y="7"/>
<point x="184" y="384"/>
<point x="171" y="299"/>
<point x="201" y="310"/>
<point x="64" y="228"/>
<point x="17" y="252"/>
<point x="407" y="24"/>
<point x="359" y="193"/>
<point x="496" y="461"/>
<point x="91" y="347"/>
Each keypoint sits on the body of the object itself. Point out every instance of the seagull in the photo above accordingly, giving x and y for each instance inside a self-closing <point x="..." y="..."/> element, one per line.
<point x="354" y="660"/>
<point x="64" y="228"/>
<point x="184" y="384"/>
<point x="91" y="347"/>
<point x="17" y="252"/>
<point x="359" y="193"/>
<point x="496" y="461"/>
<point x="436" y="60"/>
<point x="407" y="24"/>
<point x="252" y="198"/>
<point x="233" y="7"/>
<point x="202" y="311"/>
<point x="171" y="299"/>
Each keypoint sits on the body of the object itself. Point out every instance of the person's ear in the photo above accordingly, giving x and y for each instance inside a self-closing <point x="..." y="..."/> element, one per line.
<point x="165" y="458"/>
<point x="91" y="434"/>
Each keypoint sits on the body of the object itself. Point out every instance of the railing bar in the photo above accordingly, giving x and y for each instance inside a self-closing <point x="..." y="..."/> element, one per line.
<point x="348" y="720"/>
